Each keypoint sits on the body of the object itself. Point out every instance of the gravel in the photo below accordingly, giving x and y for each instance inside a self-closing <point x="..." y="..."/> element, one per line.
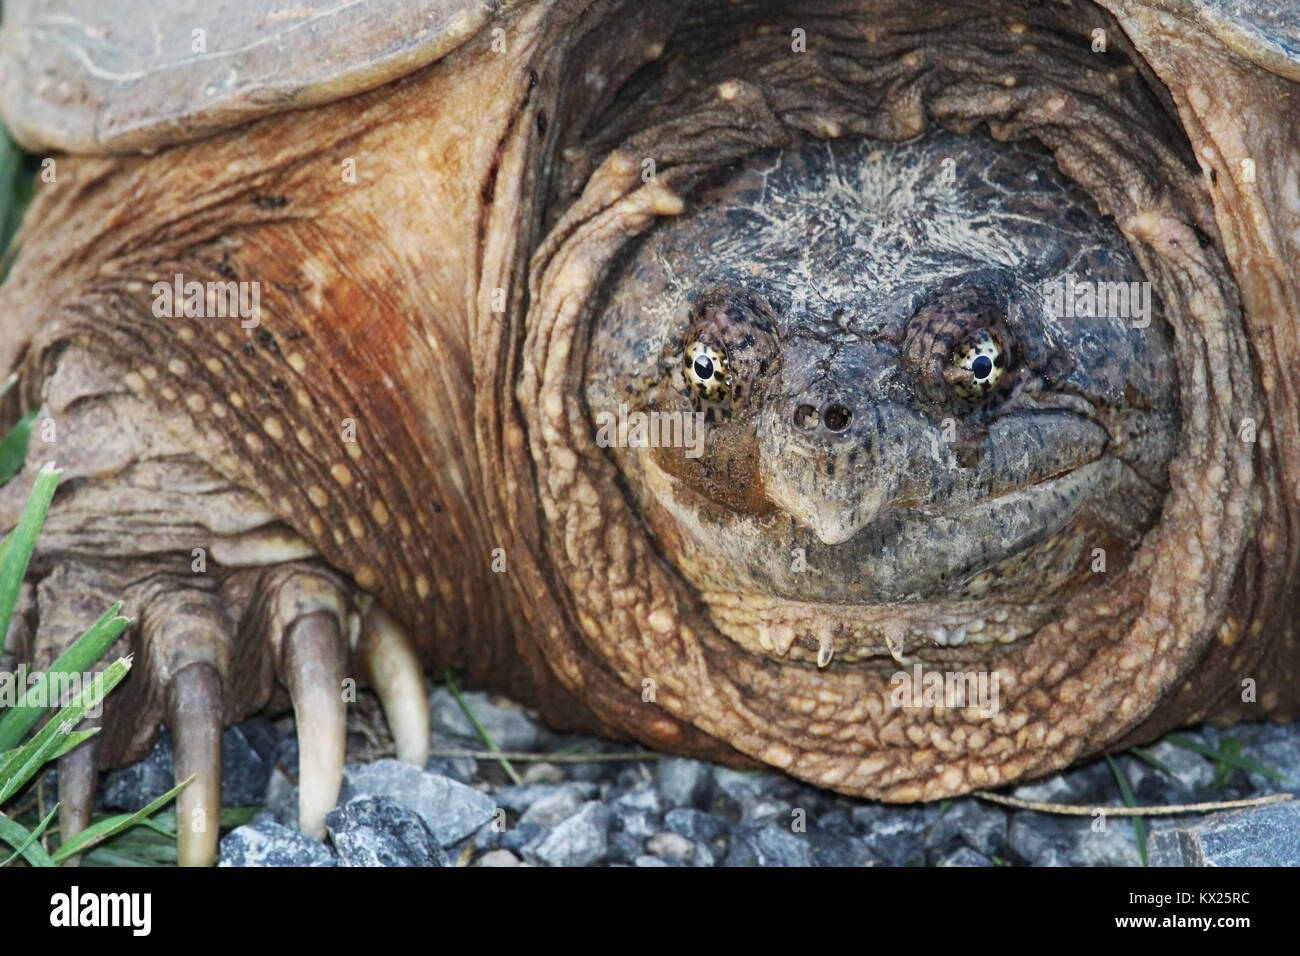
<point x="270" y="844"/>
<point x="509" y="725"/>
<point x="680" y="812"/>
<point x="966" y="823"/>
<point x="770" y="845"/>
<point x="517" y="837"/>
<point x="248" y="754"/>
<point x="1268" y="836"/>
<point x="683" y="783"/>
<point x="451" y="810"/>
<point x="550" y="808"/>
<point x="378" y="831"/>
<point x="695" y="824"/>
<point x="580" y="839"/>
<point x="965" y="857"/>
<point x="499" y="858"/>
<point x="623" y="848"/>
<point x="670" y="844"/>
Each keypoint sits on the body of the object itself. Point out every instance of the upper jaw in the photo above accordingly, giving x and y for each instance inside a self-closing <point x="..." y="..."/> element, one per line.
<point x="893" y="457"/>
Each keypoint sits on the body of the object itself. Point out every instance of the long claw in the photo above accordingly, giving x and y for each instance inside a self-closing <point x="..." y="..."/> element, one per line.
<point x="386" y="652"/>
<point x="77" y="779"/>
<point x="194" y="716"/>
<point x="825" y="648"/>
<point x="312" y="666"/>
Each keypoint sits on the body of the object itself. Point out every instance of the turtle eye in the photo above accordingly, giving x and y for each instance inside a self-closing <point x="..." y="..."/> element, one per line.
<point x="707" y="371"/>
<point x="977" y="365"/>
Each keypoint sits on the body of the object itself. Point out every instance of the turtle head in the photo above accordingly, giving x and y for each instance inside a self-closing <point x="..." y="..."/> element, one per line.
<point x="801" y="271"/>
<point x="893" y="406"/>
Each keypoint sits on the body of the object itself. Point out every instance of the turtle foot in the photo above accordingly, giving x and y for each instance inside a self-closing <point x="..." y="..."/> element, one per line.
<point x="209" y="650"/>
<point x="234" y="612"/>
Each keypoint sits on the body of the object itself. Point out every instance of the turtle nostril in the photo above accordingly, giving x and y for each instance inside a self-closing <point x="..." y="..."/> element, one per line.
<point x="837" y="417"/>
<point x="806" y="417"/>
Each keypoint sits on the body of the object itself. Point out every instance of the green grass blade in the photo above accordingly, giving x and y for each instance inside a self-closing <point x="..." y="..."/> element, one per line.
<point x="23" y="539"/>
<point x="11" y="159"/>
<point x="13" y="449"/>
<point x="98" y="832"/>
<point x="1232" y="760"/>
<point x="482" y="731"/>
<point x="70" y="743"/>
<point x="164" y="822"/>
<point x="17" y="187"/>
<point x="74" y="740"/>
<point x="77" y="659"/>
<point x="15" y="834"/>
<point x="24" y="764"/>
<point x="32" y="837"/>
<point x="105" y="856"/>
<point x="1126" y="792"/>
<point x="1154" y="761"/>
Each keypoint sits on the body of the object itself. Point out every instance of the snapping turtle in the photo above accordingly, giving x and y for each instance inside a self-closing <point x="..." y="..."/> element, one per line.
<point x="897" y="394"/>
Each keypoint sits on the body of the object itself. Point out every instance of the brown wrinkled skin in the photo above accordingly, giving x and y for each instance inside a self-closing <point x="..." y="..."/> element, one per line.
<point x="378" y="297"/>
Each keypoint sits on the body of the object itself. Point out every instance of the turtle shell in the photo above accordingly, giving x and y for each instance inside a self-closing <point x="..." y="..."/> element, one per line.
<point x="128" y="75"/>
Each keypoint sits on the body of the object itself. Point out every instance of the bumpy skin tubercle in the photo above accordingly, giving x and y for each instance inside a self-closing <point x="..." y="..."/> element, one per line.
<point x="463" y="273"/>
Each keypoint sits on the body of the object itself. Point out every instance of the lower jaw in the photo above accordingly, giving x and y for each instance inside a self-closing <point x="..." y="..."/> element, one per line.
<point x="870" y="635"/>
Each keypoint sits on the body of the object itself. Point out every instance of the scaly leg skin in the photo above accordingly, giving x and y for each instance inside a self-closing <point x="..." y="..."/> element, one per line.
<point x="313" y="463"/>
<point x="336" y="436"/>
<point x="211" y="641"/>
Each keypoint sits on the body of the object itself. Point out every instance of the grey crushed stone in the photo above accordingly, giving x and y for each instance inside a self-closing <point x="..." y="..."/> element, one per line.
<point x="682" y="782"/>
<point x="676" y="811"/>
<point x="1267" y="836"/>
<point x="517" y="837"/>
<point x="624" y="848"/>
<point x="551" y="808"/>
<point x="509" y="726"/>
<point x="248" y="754"/>
<point x="769" y="845"/>
<point x="965" y="857"/>
<point x="378" y="831"/>
<point x="579" y="839"/>
<point x="670" y="845"/>
<point x="498" y="858"/>
<point x="270" y="844"/>
<point x="451" y="810"/>
<point x="695" y="824"/>
<point x="968" y="823"/>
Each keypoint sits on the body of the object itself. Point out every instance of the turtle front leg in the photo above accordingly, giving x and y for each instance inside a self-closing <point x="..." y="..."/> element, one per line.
<point x="213" y="643"/>
<point x="259" y="347"/>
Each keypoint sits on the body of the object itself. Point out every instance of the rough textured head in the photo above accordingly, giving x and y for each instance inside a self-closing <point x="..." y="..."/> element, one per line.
<point x="889" y="401"/>
<point x="738" y="217"/>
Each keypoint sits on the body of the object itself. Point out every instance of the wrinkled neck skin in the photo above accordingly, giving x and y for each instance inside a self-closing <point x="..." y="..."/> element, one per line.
<point x="446" y="301"/>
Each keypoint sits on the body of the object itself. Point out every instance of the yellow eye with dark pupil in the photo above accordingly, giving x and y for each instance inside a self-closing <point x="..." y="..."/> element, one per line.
<point x="978" y="365"/>
<point x="707" y="371"/>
